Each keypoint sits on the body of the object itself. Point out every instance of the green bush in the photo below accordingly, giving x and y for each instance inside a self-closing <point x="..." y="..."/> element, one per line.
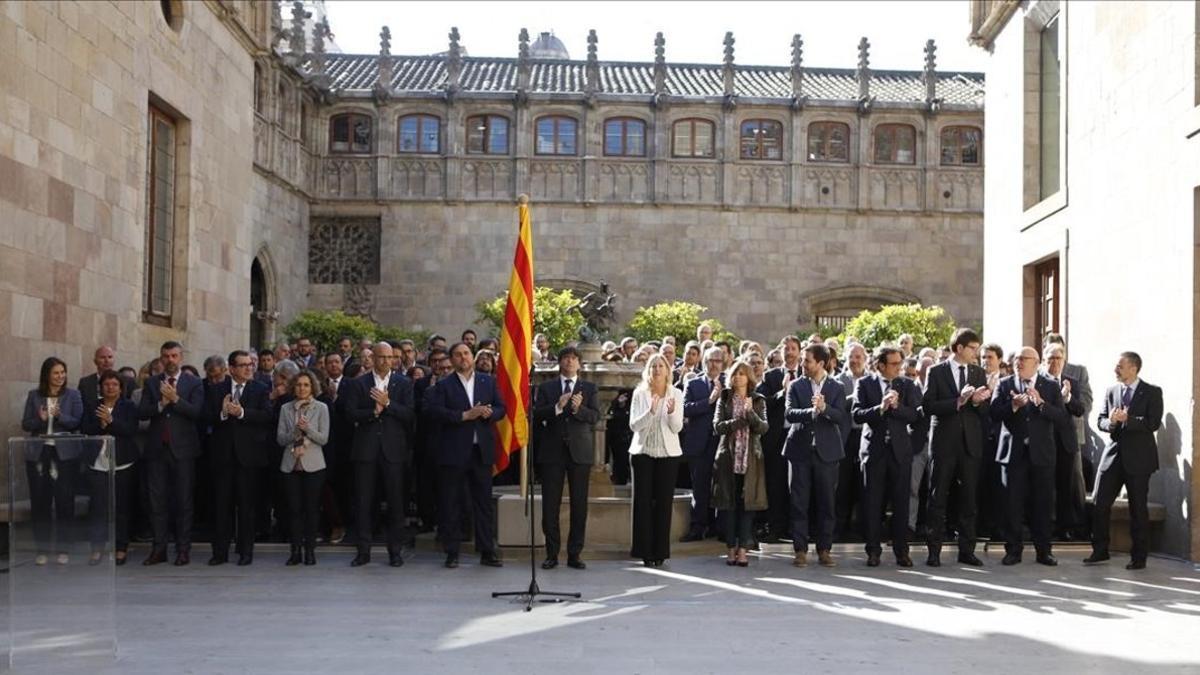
<point x="676" y="318"/>
<point x="325" y="328"/>
<point x="552" y="315"/>
<point x="929" y="326"/>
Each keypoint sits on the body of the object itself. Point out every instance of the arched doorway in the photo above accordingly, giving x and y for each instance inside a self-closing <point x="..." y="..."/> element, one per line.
<point x="263" y="308"/>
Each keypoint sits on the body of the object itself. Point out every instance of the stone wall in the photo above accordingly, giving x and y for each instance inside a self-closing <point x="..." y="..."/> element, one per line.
<point x="753" y="267"/>
<point x="1124" y="222"/>
<point x="74" y="95"/>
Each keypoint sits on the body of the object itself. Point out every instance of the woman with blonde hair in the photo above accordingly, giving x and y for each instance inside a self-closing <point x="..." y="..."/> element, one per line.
<point x="655" y="417"/>
<point x="739" y="489"/>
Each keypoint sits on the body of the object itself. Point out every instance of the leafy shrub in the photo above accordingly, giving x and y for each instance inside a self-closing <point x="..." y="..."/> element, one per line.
<point x="929" y="326"/>
<point x="552" y="315"/>
<point x="676" y="318"/>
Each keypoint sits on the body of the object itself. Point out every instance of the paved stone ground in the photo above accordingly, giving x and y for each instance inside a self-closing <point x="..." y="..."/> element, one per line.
<point x="695" y="616"/>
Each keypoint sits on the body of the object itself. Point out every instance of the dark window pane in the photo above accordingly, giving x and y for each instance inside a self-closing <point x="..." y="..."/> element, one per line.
<point x="430" y="127"/>
<point x="409" y="131"/>
<point x="476" y="128"/>
<point x="635" y="138"/>
<point x="497" y="136"/>
<point x="612" y="137"/>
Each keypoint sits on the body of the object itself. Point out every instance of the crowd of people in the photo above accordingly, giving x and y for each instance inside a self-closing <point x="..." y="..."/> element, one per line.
<point x="790" y="443"/>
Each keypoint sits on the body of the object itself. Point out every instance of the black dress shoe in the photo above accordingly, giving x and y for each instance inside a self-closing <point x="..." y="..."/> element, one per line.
<point x="245" y="559"/>
<point x="970" y="559"/>
<point x="294" y="558"/>
<point x="646" y="562"/>
<point x="360" y="560"/>
<point x="182" y="558"/>
<point x="934" y="560"/>
<point x="549" y="563"/>
<point x="451" y="560"/>
<point x="659" y="562"/>
<point x="490" y="559"/>
<point x="156" y="556"/>
<point x="1096" y="559"/>
<point x="692" y="536"/>
<point x="218" y="560"/>
<point x="872" y="560"/>
<point x="576" y="564"/>
<point x="310" y="556"/>
<point x="1047" y="559"/>
<point x="904" y="560"/>
<point x="396" y="560"/>
<point x="1011" y="559"/>
<point x="1136" y="565"/>
<point x="120" y="560"/>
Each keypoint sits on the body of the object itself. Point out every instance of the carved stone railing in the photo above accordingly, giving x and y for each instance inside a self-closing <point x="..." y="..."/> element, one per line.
<point x="487" y="179"/>
<point x="347" y="177"/>
<point x="623" y="181"/>
<point x="830" y="185"/>
<point x="956" y="189"/>
<point x="895" y="187"/>
<point x="693" y="182"/>
<point x="555" y="180"/>
<point x="417" y="178"/>
<point x="761" y="184"/>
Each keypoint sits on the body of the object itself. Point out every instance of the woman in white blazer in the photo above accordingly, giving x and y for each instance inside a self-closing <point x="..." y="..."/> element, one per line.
<point x="655" y="417"/>
<point x="303" y="431"/>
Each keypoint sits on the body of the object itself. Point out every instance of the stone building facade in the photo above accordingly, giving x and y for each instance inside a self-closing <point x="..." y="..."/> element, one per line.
<point x="204" y="171"/>
<point x="1093" y="208"/>
<point x="858" y="177"/>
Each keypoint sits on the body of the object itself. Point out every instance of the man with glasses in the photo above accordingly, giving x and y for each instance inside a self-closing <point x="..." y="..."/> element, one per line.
<point x="238" y="412"/>
<point x="885" y="404"/>
<point x="1029" y="406"/>
<point x="700" y="440"/>
<point x="1070" y="487"/>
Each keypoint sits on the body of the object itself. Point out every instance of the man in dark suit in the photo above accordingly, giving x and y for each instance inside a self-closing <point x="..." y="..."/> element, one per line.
<point x="1132" y="413"/>
<point x="380" y="404"/>
<point x="699" y="439"/>
<point x="1028" y="406"/>
<point x="956" y="401"/>
<point x="564" y="414"/>
<point x="174" y="404"/>
<point x="774" y="388"/>
<point x="239" y="414"/>
<point x="1070" y="488"/>
<point x="815" y="445"/>
<point x="426" y="456"/>
<point x="885" y="404"/>
<point x="467" y="405"/>
<point x="89" y="386"/>
<point x="339" y="470"/>
<point x="306" y="354"/>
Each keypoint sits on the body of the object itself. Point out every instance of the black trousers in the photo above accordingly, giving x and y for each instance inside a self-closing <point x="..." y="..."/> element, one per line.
<point x="816" y="480"/>
<point x="172" y="485"/>
<point x="952" y="468"/>
<point x="1137" y="489"/>
<point x="52" y="498"/>
<point x="701" y="469"/>
<point x="392" y="475"/>
<point x="653" y="497"/>
<point x="990" y="500"/>
<point x="886" y="478"/>
<point x="1070" y="490"/>
<point x="123" y="483"/>
<point x="618" y="448"/>
<point x="577" y="476"/>
<point x="473" y="482"/>
<point x="234" y="487"/>
<point x="849" y="486"/>
<point x="779" y="500"/>
<point x="426" y="470"/>
<point x="1025" y="482"/>
<point x="303" y="490"/>
<point x="737" y="524"/>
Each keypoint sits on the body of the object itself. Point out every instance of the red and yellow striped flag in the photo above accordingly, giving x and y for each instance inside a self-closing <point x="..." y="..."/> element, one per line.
<point x="516" y="349"/>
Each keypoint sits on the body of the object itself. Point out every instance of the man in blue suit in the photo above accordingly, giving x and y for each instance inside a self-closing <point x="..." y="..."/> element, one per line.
<point x="820" y="427"/>
<point x="466" y="404"/>
<point x="174" y="404"/>
<point x="699" y="439"/>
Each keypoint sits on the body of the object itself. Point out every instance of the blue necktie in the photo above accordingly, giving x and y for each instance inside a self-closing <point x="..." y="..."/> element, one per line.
<point x="1126" y="396"/>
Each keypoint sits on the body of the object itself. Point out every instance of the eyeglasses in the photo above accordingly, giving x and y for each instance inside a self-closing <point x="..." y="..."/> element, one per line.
<point x="244" y="364"/>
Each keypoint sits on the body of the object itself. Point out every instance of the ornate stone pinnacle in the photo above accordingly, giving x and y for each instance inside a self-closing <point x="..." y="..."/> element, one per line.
<point x="385" y="41"/>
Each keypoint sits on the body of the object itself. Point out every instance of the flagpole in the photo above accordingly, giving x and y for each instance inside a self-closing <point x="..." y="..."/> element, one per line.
<point x="518" y="373"/>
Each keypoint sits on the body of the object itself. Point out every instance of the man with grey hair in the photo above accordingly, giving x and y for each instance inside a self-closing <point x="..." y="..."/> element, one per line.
<point x="1069" y="433"/>
<point x="850" y="480"/>
<point x="700" y="440"/>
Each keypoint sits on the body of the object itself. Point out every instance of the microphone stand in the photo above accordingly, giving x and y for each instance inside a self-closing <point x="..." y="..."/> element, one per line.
<point x="531" y="593"/>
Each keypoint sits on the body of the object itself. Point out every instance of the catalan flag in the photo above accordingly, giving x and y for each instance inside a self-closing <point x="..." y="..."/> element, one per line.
<point x="516" y="349"/>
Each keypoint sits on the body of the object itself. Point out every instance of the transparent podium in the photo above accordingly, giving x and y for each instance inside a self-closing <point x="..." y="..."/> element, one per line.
<point x="58" y="557"/>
